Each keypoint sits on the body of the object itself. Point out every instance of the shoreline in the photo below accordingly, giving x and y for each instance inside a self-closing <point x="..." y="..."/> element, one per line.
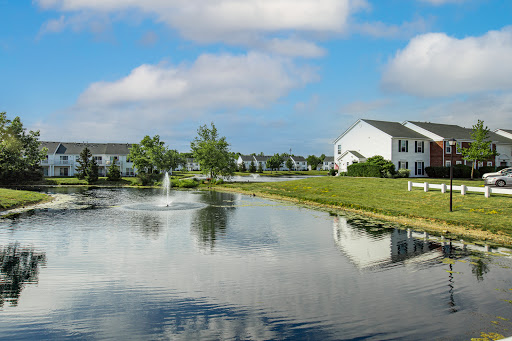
<point x="421" y="224"/>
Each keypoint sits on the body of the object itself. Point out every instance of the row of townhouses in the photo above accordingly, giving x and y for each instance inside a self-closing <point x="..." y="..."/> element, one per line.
<point x="62" y="158"/>
<point x="413" y="145"/>
<point x="299" y="162"/>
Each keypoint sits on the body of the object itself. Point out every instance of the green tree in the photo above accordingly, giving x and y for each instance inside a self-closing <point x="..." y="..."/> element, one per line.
<point x="260" y="168"/>
<point x="275" y="162"/>
<point x="252" y="167"/>
<point x="313" y="161"/>
<point x="289" y="164"/>
<point x="242" y="167"/>
<point x="83" y="163"/>
<point x="91" y="175"/>
<point x="386" y="167"/>
<point x="113" y="172"/>
<point x="212" y="152"/>
<point x="20" y="156"/>
<point x="152" y="156"/>
<point x="480" y="148"/>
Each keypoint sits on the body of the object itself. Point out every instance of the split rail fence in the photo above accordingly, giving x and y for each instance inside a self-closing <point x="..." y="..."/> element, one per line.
<point x="463" y="189"/>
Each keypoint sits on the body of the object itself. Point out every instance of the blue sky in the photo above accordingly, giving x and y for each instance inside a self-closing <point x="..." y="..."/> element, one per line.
<point x="273" y="75"/>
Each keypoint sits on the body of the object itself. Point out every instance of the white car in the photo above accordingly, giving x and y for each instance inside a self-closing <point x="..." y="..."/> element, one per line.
<point x="504" y="171"/>
<point x="499" y="180"/>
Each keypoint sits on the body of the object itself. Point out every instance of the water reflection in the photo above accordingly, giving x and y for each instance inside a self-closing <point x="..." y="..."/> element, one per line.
<point x="18" y="266"/>
<point x="209" y="223"/>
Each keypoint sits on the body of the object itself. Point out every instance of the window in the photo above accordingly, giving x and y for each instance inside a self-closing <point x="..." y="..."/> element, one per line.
<point x="403" y="146"/>
<point x="419" y="146"/>
<point x="339" y="149"/>
<point x="458" y="162"/>
<point x="64" y="172"/>
<point x="447" y="147"/>
<point x="403" y="164"/>
<point x="458" y="147"/>
<point x="480" y="164"/>
<point x="64" y="158"/>
<point x="448" y="163"/>
<point x="489" y="163"/>
<point x="419" y="168"/>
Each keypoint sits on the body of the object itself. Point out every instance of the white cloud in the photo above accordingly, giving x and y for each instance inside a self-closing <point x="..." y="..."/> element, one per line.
<point x="238" y="22"/>
<point x="435" y="64"/>
<point x="494" y="109"/>
<point x="211" y="82"/>
<point x="171" y="100"/>
<point x="362" y="108"/>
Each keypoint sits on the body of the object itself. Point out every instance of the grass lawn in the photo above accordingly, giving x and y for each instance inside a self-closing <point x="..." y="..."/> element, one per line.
<point x="11" y="198"/>
<point x="389" y="197"/>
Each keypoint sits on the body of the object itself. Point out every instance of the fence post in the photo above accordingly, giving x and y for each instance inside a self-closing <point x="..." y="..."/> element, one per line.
<point x="425" y="186"/>
<point x="409" y="186"/>
<point x="443" y="188"/>
<point x="487" y="191"/>
<point x="463" y="190"/>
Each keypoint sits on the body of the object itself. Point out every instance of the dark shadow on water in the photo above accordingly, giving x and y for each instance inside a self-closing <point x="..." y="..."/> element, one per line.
<point x="18" y="267"/>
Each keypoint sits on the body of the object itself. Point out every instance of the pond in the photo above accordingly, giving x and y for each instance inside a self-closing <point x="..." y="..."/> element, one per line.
<point x="228" y="266"/>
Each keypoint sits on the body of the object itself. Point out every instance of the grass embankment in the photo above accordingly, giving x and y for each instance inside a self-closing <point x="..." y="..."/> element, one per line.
<point x="10" y="198"/>
<point x="473" y="215"/>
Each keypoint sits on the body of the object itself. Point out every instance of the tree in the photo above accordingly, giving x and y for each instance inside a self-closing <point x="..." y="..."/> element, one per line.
<point x="289" y="164"/>
<point x="92" y="172"/>
<point x="212" y="152"/>
<point x="113" y="172"/>
<point x="480" y="148"/>
<point x="83" y="163"/>
<point x="386" y="167"/>
<point x="275" y="162"/>
<point x="242" y="167"/>
<point x="252" y="167"/>
<point x="20" y="156"/>
<point x="152" y="156"/>
<point x="313" y="161"/>
<point x="260" y="168"/>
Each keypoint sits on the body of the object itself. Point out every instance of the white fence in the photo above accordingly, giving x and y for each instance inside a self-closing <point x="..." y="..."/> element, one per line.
<point x="463" y="189"/>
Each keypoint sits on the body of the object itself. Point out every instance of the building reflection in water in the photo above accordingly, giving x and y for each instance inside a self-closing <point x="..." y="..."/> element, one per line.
<point x="18" y="266"/>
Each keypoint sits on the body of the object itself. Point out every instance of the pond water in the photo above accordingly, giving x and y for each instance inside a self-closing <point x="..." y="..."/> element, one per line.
<point x="229" y="266"/>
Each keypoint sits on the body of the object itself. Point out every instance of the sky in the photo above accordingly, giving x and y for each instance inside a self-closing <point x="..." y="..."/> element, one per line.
<point x="272" y="75"/>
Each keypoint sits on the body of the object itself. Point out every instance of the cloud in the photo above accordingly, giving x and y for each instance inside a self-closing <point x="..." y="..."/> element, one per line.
<point x="171" y="100"/>
<point x="362" y="108"/>
<point x="149" y="39"/>
<point x="494" y="109"/>
<point x="236" y="22"/>
<point x="382" y="30"/>
<point x="211" y="82"/>
<point x="435" y="64"/>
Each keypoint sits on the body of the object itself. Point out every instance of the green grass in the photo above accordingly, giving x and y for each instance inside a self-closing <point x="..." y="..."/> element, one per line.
<point x="390" y="197"/>
<point x="11" y="198"/>
<point x="102" y="181"/>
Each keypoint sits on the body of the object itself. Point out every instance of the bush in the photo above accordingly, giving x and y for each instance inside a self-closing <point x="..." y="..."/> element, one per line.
<point x="188" y="183"/>
<point x="219" y="181"/>
<point x="364" y="169"/>
<point x="386" y="167"/>
<point x="459" y="171"/>
<point x="149" y="179"/>
<point x="403" y="173"/>
<point x="332" y="172"/>
<point x="487" y="169"/>
<point x="343" y="174"/>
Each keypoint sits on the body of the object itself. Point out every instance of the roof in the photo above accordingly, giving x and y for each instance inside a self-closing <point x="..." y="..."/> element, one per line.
<point x="74" y="148"/>
<point x="298" y="158"/>
<point x="262" y="158"/>
<point x="395" y="129"/>
<point x="448" y="131"/>
<point x="329" y="159"/>
<point x="356" y="154"/>
<point x="506" y="130"/>
<point x="247" y="158"/>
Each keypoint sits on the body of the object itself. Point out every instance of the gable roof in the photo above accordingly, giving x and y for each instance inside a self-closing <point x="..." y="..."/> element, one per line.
<point x="261" y="158"/>
<point x="448" y="131"/>
<point x="298" y="158"/>
<point x="74" y="148"/>
<point x="395" y="129"/>
<point x="329" y="159"/>
<point x="247" y="158"/>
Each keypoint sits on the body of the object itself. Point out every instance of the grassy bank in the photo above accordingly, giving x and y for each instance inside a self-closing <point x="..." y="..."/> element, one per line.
<point x="10" y="198"/>
<point x="473" y="215"/>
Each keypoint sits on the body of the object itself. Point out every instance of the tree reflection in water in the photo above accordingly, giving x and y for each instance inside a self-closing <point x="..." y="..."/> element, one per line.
<point x="18" y="266"/>
<point x="210" y="222"/>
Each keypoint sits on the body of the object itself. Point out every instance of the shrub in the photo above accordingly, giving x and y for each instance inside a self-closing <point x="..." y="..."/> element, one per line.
<point x="219" y="181"/>
<point x="487" y="169"/>
<point x="459" y="171"/>
<point x="403" y="173"/>
<point x="188" y="183"/>
<point x="332" y="172"/>
<point x="364" y="169"/>
<point x="385" y="166"/>
<point x="437" y="172"/>
<point x="343" y="174"/>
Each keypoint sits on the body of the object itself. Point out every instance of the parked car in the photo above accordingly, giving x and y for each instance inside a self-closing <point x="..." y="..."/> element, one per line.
<point x="504" y="171"/>
<point x="499" y="180"/>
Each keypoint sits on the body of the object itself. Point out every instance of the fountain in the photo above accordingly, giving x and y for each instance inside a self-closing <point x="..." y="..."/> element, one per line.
<point x="168" y="204"/>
